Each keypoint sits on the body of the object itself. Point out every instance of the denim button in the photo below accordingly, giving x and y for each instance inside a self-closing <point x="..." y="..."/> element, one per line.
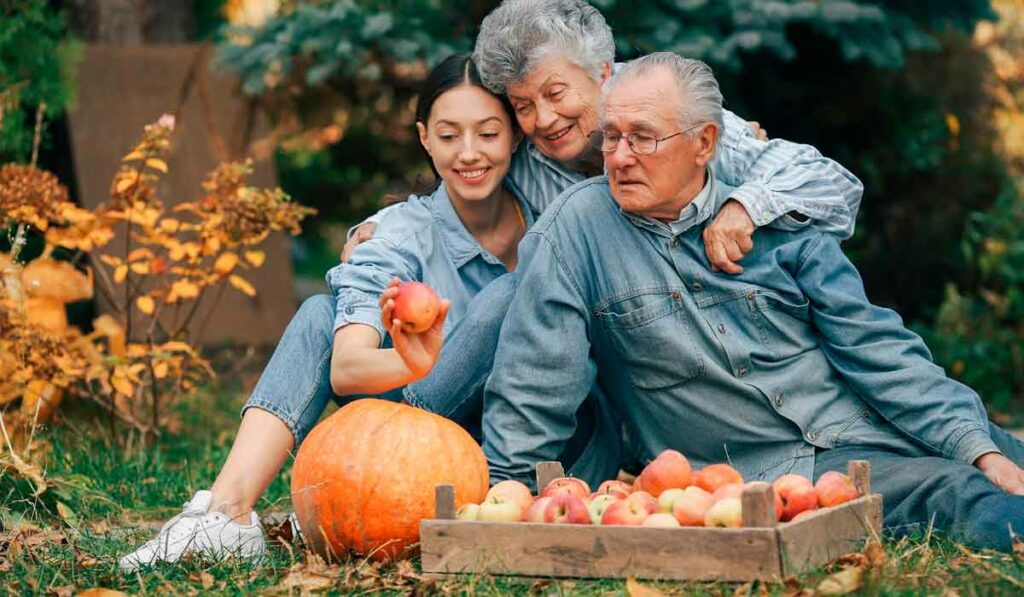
<point x="350" y="310"/>
<point x="778" y="400"/>
<point x="676" y="295"/>
<point x="697" y="287"/>
<point x="742" y="371"/>
<point x="674" y="241"/>
<point x="750" y="296"/>
<point x="812" y="435"/>
<point x="721" y="328"/>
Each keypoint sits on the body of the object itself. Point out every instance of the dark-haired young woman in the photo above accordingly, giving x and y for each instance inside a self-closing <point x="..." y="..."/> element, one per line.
<point x="461" y="240"/>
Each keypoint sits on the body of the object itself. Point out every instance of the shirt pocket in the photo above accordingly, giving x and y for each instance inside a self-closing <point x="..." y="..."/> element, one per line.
<point x="784" y="323"/>
<point x="652" y="333"/>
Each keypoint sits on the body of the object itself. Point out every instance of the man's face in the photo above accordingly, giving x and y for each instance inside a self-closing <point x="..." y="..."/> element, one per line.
<point x="556" y="105"/>
<point x="661" y="184"/>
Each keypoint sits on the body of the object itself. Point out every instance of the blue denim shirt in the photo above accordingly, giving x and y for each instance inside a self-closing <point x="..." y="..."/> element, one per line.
<point x="425" y="241"/>
<point x="773" y="178"/>
<point x="757" y="369"/>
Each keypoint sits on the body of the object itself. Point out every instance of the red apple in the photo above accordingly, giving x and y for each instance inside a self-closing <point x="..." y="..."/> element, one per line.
<point x="668" y="498"/>
<point x="670" y="469"/>
<point x="803" y="515"/>
<point x="617" y="488"/>
<point x="725" y="513"/>
<point x="566" y="486"/>
<point x="797" y="494"/>
<point x="599" y="504"/>
<point x="713" y="476"/>
<point x="625" y="512"/>
<point x="660" y="519"/>
<point x="514" y="490"/>
<point x="566" y="509"/>
<point x="416" y="306"/>
<point x="499" y="509"/>
<point x="732" y="490"/>
<point x="691" y="507"/>
<point x="835" y="488"/>
<point x="536" y="511"/>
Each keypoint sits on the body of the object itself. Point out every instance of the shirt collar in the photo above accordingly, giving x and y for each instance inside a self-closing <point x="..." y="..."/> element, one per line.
<point x="694" y="213"/>
<point x="568" y="174"/>
<point x="462" y="245"/>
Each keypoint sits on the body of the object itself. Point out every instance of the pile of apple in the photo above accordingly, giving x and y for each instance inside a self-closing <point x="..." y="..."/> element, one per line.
<point x="668" y="493"/>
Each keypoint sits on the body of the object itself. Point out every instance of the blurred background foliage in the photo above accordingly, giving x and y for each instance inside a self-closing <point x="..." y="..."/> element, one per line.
<point x="922" y="100"/>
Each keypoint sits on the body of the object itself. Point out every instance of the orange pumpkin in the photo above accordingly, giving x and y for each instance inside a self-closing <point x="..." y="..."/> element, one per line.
<point x="365" y="477"/>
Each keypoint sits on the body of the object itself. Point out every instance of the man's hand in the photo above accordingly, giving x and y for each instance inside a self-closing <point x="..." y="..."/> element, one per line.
<point x="1002" y="471"/>
<point x="362" y="234"/>
<point x="759" y="133"/>
<point x="729" y="237"/>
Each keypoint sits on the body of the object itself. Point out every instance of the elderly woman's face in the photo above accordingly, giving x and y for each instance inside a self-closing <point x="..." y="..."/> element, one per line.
<point x="556" y="105"/>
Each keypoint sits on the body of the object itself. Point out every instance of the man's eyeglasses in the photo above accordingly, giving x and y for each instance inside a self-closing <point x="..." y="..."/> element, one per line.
<point x="639" y="143"/>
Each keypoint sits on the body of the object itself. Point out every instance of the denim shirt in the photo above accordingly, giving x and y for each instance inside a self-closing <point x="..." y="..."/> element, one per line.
<point x="425" y="241"/>
<point x="757" y="369"/>
<point x="772" y="179"/>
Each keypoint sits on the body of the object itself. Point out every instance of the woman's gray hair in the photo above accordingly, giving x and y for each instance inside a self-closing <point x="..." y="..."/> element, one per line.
<point x="519" y="33"/>
<point x="700" y="97"/>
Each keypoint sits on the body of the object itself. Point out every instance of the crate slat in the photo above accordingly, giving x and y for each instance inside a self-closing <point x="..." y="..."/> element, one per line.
<point x="825" y="536"/>
<point x="584" y="551"/>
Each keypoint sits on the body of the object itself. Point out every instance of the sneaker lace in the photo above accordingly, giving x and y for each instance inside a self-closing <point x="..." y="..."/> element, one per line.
<point x="172" y="531"/>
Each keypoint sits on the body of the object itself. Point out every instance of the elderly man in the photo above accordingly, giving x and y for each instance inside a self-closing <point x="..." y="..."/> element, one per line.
<point x="785" y="367"/>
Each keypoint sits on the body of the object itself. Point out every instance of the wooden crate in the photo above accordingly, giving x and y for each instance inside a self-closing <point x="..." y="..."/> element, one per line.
<point x="762" y="549"/>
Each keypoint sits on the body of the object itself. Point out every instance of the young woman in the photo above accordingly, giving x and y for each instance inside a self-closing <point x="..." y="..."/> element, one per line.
<point x="461" y="240"/>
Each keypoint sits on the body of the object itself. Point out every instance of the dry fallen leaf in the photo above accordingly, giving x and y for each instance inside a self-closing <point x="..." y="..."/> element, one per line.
<point x="843" y="582"/>
<point x="635" y="589"/>
<point x="875" y="554"/>
<point x="100" y="592"/>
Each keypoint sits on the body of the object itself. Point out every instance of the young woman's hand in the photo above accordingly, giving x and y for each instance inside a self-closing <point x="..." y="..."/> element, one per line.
<point x="419" y="352"/>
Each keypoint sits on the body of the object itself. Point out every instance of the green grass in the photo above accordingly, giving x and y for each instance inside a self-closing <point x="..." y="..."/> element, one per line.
<point x="103" y="494"/>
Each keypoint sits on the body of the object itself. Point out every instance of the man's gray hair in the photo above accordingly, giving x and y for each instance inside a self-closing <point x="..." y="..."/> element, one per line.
<point x="519" y="33"/>
<point x="700" y="98"/>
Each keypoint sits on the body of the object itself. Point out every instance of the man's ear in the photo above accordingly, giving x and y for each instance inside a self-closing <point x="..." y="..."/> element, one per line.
<point x="606" y="72"/>
<point x="706" y="140"/>
<point x="422" y="130"/>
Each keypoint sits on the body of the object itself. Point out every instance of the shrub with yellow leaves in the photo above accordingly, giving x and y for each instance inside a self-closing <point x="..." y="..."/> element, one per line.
<point x="142" y="356"/>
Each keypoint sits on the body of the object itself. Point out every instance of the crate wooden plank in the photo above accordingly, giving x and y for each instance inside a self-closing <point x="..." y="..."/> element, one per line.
<point x="830" y="533"/>
<point x="584" y="551"/>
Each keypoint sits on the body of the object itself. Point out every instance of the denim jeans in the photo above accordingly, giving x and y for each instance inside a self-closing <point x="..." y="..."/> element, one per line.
<point x="295" y="385"/>
<point x="954" y="497"/>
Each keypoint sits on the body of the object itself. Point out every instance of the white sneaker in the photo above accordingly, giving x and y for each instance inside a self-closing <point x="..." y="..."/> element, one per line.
<point x="210" y="534"/>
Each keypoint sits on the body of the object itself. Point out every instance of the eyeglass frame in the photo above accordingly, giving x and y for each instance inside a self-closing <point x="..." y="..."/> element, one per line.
<point x="630" y="143"/>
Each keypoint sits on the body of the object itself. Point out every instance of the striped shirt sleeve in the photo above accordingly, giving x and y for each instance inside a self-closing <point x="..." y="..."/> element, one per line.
<point x="774" y="178"/>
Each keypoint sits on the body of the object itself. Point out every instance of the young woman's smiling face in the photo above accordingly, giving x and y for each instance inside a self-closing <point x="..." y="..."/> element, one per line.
<point x="470" y="139"/>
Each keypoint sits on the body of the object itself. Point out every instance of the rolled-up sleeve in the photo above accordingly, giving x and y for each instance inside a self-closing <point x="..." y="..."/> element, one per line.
<point x="774" y="178"/>
<point x="885" y="363"/>
<point x="542" y="371"/>
<point x="358" y="284"/>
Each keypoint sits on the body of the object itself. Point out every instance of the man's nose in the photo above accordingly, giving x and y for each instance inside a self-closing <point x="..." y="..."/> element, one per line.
<point x="622" y="157"/>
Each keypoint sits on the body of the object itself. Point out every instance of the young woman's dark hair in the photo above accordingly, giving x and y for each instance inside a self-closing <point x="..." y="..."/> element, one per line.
<point x="454" y="71"/>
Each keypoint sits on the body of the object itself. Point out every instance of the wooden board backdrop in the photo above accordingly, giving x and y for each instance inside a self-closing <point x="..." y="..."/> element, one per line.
<point x="123" y="88"/>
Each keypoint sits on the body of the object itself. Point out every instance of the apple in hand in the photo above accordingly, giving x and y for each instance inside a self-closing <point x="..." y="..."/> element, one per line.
<point x="499" y="509"/>
<point x="660" y="519"/>
<point x="514" y="490"/>
<point x="691" y="507"/>
<point x="416" y="306"/>
<point x="467" y="512"/>
<point x="566" y="486"/>
<point x="713" y="476"/>
<point x="727" y="512"/>
<point x="599" y="504"/>
<point x="566" y="509"/>
<point x="835" y="488"/>
<point x="797" y="494"/>
<point x="669" y="470"/>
